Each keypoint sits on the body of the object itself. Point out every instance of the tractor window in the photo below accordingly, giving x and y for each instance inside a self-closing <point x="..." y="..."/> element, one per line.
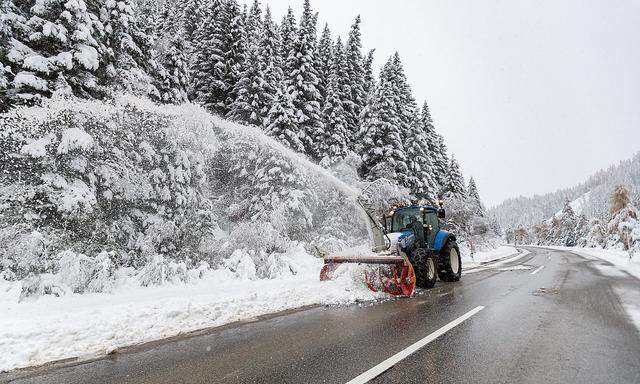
<point x="402" y="218"/>
<point x="431" y="218"/>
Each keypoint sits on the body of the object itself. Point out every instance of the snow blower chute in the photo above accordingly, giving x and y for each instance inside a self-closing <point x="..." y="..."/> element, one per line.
<point x="410" y="250"/>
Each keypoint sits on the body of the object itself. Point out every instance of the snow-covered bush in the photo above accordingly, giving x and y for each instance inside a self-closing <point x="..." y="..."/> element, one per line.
<point x="159" y="270"/>
<point x="91" y="177"/>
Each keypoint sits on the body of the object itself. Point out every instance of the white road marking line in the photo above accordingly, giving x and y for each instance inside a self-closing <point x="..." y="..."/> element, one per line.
<point x="393" y="360"/>
<point x="537" y="270"/>
<point x="495" y="263"/>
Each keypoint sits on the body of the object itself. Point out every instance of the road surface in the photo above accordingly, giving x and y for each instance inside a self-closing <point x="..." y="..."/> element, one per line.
<point x="547" y="317"/>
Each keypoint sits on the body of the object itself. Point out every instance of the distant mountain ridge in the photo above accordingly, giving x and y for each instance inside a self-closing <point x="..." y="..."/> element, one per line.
<point x="593" y="196"/>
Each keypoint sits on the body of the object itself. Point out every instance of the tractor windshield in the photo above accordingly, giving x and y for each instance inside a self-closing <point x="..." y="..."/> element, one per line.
<point x="402" y="218"/>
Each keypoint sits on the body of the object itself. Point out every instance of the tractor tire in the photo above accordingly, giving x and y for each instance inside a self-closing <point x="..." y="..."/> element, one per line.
<point x="450" y="268"/>
<point x="424" y="266"/>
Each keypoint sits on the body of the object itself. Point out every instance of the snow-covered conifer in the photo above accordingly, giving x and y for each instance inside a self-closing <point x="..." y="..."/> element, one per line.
<point x="174" y="73"/>
<point x="288" y="31"/>
<point x="369" y="83"/>
<point x="355" y="72"/>
<point x="130" y="63"/>
<point x="208" y="87"/>
<point x="282" y="120"/>
<point x="219" y="54"/>
<point x="454" y="187"/>
<point x="383" y="150"/>
<point x="437" y="150"/>
<point x="250" y="101"/>
<point x="324" y="57"/>
<point x="51" y="43"/>
<point x="333" y="144"/>
<point x="271" y="63"/>
<point x="474" y="199"/>
<point x="235" y="52"/>
<point x="302" y="83"/>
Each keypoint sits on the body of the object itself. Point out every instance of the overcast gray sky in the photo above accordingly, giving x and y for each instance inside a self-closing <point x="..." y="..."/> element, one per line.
<point x="531" y="96"/>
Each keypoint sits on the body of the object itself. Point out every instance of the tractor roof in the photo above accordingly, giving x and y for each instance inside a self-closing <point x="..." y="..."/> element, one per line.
<point x="430" y="208"/>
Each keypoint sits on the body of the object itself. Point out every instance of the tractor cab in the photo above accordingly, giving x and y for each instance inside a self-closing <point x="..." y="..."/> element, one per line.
<point x="399" y="219"/>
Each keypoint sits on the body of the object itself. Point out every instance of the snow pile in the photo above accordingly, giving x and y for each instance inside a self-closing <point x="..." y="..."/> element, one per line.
<point x="92" y="324"/>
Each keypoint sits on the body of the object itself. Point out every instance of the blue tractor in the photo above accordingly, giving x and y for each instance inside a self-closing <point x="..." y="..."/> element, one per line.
<point x="416" y="251"/>
<point x="416" y="230"/>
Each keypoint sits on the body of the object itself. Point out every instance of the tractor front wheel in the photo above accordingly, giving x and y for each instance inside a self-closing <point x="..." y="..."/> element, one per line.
<point x="450" y="268"/>
<point x="424" y="266"/>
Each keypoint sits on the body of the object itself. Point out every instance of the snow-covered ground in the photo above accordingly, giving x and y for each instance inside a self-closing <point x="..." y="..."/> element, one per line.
<point x="51" y="328"/>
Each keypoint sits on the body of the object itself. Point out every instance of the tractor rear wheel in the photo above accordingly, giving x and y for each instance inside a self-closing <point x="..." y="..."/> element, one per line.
<point x="450" y="268"/>
<point x="424" y="266"/>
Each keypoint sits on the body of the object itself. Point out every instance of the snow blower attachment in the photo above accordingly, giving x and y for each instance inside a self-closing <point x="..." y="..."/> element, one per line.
<point x="393" y="275"/>
<point x="416" y="251"/>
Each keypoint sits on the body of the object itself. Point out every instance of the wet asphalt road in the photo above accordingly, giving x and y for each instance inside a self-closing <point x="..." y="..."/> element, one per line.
<point x="563" y="324"/>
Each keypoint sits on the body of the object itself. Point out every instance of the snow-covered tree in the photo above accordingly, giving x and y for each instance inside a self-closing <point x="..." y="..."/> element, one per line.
<point x="208" y="87"/>
<point x="369" y="83"/>
<point x="235" y="53"/>
<point x="383" y="150"/>
<point x="192" y="14"/>
<point x="219" y="54"/>
<point x="333" y="144"/>
<point x="437" y="149"/>
<point x="288" y="32"/>
<point x="130" y="55"/>
<point x="52" y="44"/>
<point x="253" y="22"/>
<point x="271" y="63"/>
<point x="355" y="72"/>
<point x="302" y="83"/>
<point x="474" y="198"/>
<point x="174" y="73"/>
<point x="6" y="34"/>
<point x="282" y="120"/>
<point x="251" y="100"/>
<point x="454" y="187"/>
<point x="324" y="58"/>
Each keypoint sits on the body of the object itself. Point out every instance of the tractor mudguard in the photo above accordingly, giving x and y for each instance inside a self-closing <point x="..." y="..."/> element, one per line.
<point x="441" y="239"/>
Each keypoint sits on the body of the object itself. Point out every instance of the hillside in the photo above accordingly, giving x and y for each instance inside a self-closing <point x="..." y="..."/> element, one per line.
<point x="593" y="195"/>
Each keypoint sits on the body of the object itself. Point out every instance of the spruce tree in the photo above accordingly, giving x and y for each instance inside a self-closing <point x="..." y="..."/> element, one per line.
<point x="271" y="63"/>
<point x="51" y="44"/>
<point x="6" y="34"/>
<point x="437" y="149"/>
<point x="288" y="33"/>
<point x="303" y="81"/>
<point x="251" y="102"/>
<point x="131" y="50"/>
<point x="208" y="87"/>
<point x="253" y="23"/>
<point x="333" y="144"/>
<point x="175" y="71"/>
<point x="192" y="14"/>
<point x="454" y="187"/>
<point x="365" y="114"/>
<point x="356" y="75"/>
<point x="324" y="57"/>
<point x="234" y="54"/>
<point x="383" y="150"/>
<point x="282" y="122"/>
<point x="474" y="199"/>
<point x="369" y="83"/>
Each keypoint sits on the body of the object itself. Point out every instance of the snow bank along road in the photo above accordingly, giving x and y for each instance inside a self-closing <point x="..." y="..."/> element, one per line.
<point x="547" y="317"/>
